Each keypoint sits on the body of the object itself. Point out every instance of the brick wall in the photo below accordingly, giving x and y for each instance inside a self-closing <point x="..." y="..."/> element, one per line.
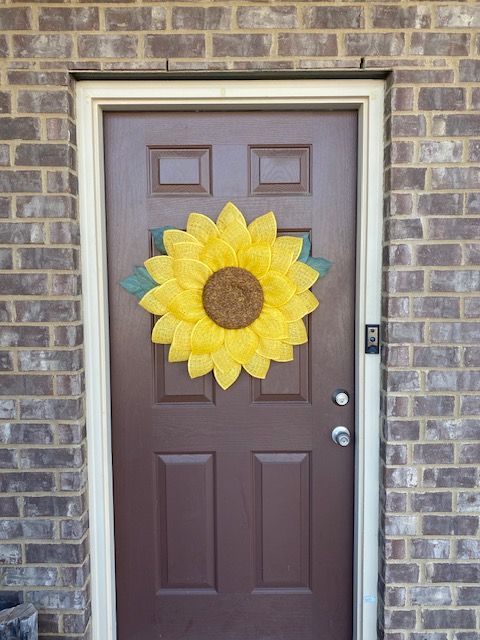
<point x="430" y="550"/>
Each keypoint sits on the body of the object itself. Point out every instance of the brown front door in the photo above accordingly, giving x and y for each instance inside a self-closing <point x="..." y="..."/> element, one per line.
<point x="233" y="509"/>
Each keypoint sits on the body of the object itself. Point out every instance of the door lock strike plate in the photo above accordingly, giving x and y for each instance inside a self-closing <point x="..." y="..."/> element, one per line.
<point x="372" y="338"/>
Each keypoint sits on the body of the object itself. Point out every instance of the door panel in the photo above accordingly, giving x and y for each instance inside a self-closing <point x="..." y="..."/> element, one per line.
<point x="233" y="509"/>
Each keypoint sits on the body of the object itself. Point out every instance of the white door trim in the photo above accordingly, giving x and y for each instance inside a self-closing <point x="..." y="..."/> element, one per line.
<point x="94" y="97"/>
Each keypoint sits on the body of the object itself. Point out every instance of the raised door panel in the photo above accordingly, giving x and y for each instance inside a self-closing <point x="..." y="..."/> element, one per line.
<point x="186" y="521"/>
<point x="282" y="520"/>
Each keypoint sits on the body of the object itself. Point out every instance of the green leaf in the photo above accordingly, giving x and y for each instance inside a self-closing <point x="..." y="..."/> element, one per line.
<point x="139" y="282"/>
<point x="306" y="247"/>
<point x="157" y="235"/>
<point x="322" y="265"/>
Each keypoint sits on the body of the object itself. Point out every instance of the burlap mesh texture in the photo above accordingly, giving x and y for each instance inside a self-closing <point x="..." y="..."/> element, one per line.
<point x="233" y="298"/>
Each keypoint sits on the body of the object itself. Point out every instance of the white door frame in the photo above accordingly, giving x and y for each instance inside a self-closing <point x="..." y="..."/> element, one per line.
<point x="94" y="97"/>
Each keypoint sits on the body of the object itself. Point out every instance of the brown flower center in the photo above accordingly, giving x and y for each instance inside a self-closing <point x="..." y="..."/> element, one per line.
<point x="233" y="298"/>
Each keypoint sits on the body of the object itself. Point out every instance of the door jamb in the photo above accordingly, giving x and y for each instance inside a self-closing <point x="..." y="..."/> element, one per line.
<point x="95" y="97"/>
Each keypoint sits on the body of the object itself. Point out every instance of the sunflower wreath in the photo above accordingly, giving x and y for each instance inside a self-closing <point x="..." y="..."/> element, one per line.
<point x="228" y="295"/>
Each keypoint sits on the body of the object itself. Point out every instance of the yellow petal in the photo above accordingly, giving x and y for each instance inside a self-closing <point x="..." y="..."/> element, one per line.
<point x="164" y="329"/>
<point x="302" y="275"/>
<point x="160" y="268"/>
<point x="277" y="289"/>
<point x="191" y="274"/>
<point x="226" y="378"/>
<point x="228" y="214"/>
<point x="282" y="259"/>
<point x="275" y="350"/>
<point x="199" y="365"/>
<point x="151" y="303"/>
<point x="271" y="323"/>
<point x="201" y="227"/>
<point x="186" y="250"/>
<point x="217" y="254"/>
<point x="241" y="344"/>
<point x="264" y="228"/>
<point x="188" y="305"/>
<point x="181" y="344"/>
<point x="290" y="243"/>
<point x="223" y="360"/>
<point x="297" y="333"/>
<point x="309" y="300"/>
<point x="207" y="336"/>
<point x="258" y="366"/>
<point x="256" y="259"/>
<point x="156" y="300"/>
<point x="172" y="237"/>
<point x="294" y="309"/>
<point x="236" y="235"/>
